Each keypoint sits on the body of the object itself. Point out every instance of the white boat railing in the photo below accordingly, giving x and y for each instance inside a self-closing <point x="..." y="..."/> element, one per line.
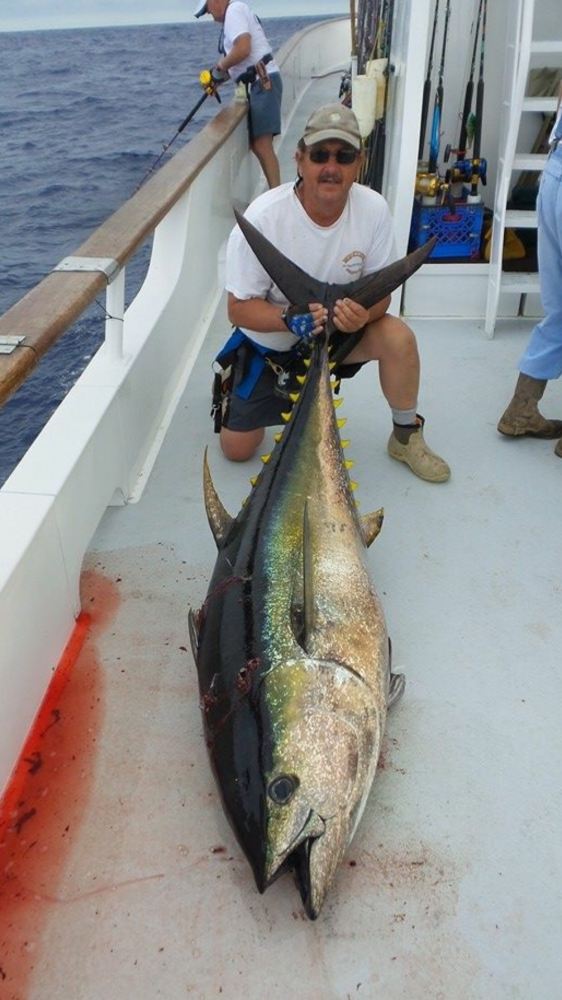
<point x="99" y="445"/>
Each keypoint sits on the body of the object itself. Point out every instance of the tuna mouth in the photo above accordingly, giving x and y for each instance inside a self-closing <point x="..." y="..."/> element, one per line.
<point x="300" y="863"/>
<point x="292" y="859"/>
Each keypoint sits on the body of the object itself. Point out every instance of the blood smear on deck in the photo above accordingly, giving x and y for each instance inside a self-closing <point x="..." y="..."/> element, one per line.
<point x="46" y="799"/>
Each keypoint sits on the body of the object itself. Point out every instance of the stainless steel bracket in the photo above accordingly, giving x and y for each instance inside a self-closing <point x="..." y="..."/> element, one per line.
<point x="105" y="265"/>
<point x="9" y="344"/>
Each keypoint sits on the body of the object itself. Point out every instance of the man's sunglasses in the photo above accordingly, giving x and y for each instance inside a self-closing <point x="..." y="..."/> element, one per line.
<point x="343" y="156"/>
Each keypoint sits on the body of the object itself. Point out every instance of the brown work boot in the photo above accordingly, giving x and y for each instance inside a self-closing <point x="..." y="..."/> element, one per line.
<point x="407" y="444"/>
<point x="522" y="417"/>
<point x="558" y="449"/>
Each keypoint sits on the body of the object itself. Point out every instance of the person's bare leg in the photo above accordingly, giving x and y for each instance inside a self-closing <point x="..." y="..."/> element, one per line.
<point x="391" y="342"/>
<point x="262" y="147"/>
<point x="239" y="446"/>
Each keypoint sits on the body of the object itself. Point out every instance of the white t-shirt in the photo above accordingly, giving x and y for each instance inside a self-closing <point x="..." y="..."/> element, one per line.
<point x="360" y="242"/>
<point x="239" y="20"/>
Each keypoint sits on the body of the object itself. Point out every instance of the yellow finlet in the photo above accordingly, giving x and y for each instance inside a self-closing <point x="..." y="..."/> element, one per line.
<point x="337" y="403"/>
<point x="301" y="379"/>
<point x="345" y="442"/>
<point x="293" y="396"/>
<point x="253" y="480"/>
<point x="349" y="463"/>
<point x="341" y="422"/>
<point x="286" y="417"/>
<point x="265" y="458"/>
<point x="353" y="485"/>
<point x="331" y="365"/>
<point x="277" y="437"/>
<point x="306" y="362"/>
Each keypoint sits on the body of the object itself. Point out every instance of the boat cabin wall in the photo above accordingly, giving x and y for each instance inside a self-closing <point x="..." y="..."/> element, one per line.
<point x="456" y="289"/>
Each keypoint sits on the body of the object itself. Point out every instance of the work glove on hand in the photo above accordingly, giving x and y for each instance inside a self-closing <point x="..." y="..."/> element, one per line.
<point x="300" y="321"/>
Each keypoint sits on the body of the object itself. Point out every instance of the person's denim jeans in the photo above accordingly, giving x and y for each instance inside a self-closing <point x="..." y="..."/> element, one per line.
<point x="543" y="356"/>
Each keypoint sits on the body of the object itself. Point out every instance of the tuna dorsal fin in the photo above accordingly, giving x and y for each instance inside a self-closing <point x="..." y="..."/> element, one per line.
<point x="297" y="286"/>
<point x="219" y="519"/>
<point x="371" y="524"/>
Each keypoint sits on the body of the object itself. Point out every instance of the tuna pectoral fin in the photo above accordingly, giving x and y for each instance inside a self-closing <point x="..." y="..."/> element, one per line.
<point x="297" y="286"/>
<point x="396" y="688"/>
<point x="371" y="524"/>
<point x="220" y="521"/>
<point x="193" y="632"/>
<point x="396" y="682"/>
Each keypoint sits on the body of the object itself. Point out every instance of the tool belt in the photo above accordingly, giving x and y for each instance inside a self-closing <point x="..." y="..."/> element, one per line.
<point x="252" y="73"/>
<point x="243" y="360"/>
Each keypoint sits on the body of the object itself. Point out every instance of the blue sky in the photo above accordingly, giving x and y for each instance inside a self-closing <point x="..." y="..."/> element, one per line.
<point x="16" y="15"/>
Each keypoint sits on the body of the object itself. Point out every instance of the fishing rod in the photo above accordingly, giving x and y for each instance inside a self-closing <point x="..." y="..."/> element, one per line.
<point x="427" y="84"/>
<point x="210" y="86"/>
<point x="380" y="146"/>
<point x="438" y="105"/>
<point x="477" y="163"/>
<point x="468" y="94"/>
<point x="373" y="52"/>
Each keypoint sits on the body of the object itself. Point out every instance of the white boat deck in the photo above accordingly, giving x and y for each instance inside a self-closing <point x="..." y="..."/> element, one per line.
<point x="129" y="882"/>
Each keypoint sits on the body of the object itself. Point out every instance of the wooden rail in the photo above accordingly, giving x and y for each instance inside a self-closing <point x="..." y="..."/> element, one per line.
<point x="47" y="311"/>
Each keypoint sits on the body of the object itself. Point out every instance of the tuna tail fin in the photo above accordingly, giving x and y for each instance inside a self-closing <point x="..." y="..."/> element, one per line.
<point x="371" y="288"/>
<point x="297" y="286"/>
<point x="300" y="287"/>
<point x="220" y="521"/>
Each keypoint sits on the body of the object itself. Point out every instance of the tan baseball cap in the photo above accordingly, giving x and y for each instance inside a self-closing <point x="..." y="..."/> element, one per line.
<point x="332" y="121"/>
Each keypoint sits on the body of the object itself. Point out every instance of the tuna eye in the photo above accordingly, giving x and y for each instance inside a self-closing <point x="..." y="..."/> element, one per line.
<point x="282" y="789"/>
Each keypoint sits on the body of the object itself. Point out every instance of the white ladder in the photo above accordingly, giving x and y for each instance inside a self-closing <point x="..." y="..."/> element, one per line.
<point x="519" y="50"/>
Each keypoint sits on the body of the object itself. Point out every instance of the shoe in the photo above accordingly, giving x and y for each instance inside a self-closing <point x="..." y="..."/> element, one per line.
<point x="407" y="444"/>
<point x="522" y="417"/>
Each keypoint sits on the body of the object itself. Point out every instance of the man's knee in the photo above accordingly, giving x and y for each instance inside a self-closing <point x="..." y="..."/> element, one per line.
<point x="389" y="337"/>
<point x="239" y="446"/>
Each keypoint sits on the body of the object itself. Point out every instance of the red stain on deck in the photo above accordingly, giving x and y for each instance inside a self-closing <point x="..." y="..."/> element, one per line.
<point x="46" y="799"/>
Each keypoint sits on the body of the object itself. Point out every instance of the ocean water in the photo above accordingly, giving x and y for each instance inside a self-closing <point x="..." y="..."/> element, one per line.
<point x="83" y="115"/>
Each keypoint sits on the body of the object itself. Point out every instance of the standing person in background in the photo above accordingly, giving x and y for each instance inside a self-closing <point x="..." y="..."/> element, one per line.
<point x="246" y="57"/>
<point x="542" y="359"/>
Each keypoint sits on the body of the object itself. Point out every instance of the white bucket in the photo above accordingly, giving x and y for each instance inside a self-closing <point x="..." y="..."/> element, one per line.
<point x="377" y="68"/>
<point x="363" y="102"/>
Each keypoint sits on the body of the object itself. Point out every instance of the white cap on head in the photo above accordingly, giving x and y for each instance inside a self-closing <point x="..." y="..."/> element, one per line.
<point x="333" y="121"/>
<point x="201" y="9"/>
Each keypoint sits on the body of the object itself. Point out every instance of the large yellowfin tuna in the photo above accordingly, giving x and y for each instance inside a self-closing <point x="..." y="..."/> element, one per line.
<point x="291" y="644"/>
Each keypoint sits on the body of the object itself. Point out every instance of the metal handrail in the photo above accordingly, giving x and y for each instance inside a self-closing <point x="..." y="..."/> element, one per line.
<point x="49" y="308"/>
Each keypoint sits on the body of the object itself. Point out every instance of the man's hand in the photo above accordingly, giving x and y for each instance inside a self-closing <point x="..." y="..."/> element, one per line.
<point x="305" y="321"/>
<point x="349" y="316"/>
<point x="219" y="74"/>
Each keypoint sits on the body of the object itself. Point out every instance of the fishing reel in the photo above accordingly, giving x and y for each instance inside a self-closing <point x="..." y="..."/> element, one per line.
<point x="465" y="169"/>
<point x="427" y="185"/>
<point x="210" y="83"/>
